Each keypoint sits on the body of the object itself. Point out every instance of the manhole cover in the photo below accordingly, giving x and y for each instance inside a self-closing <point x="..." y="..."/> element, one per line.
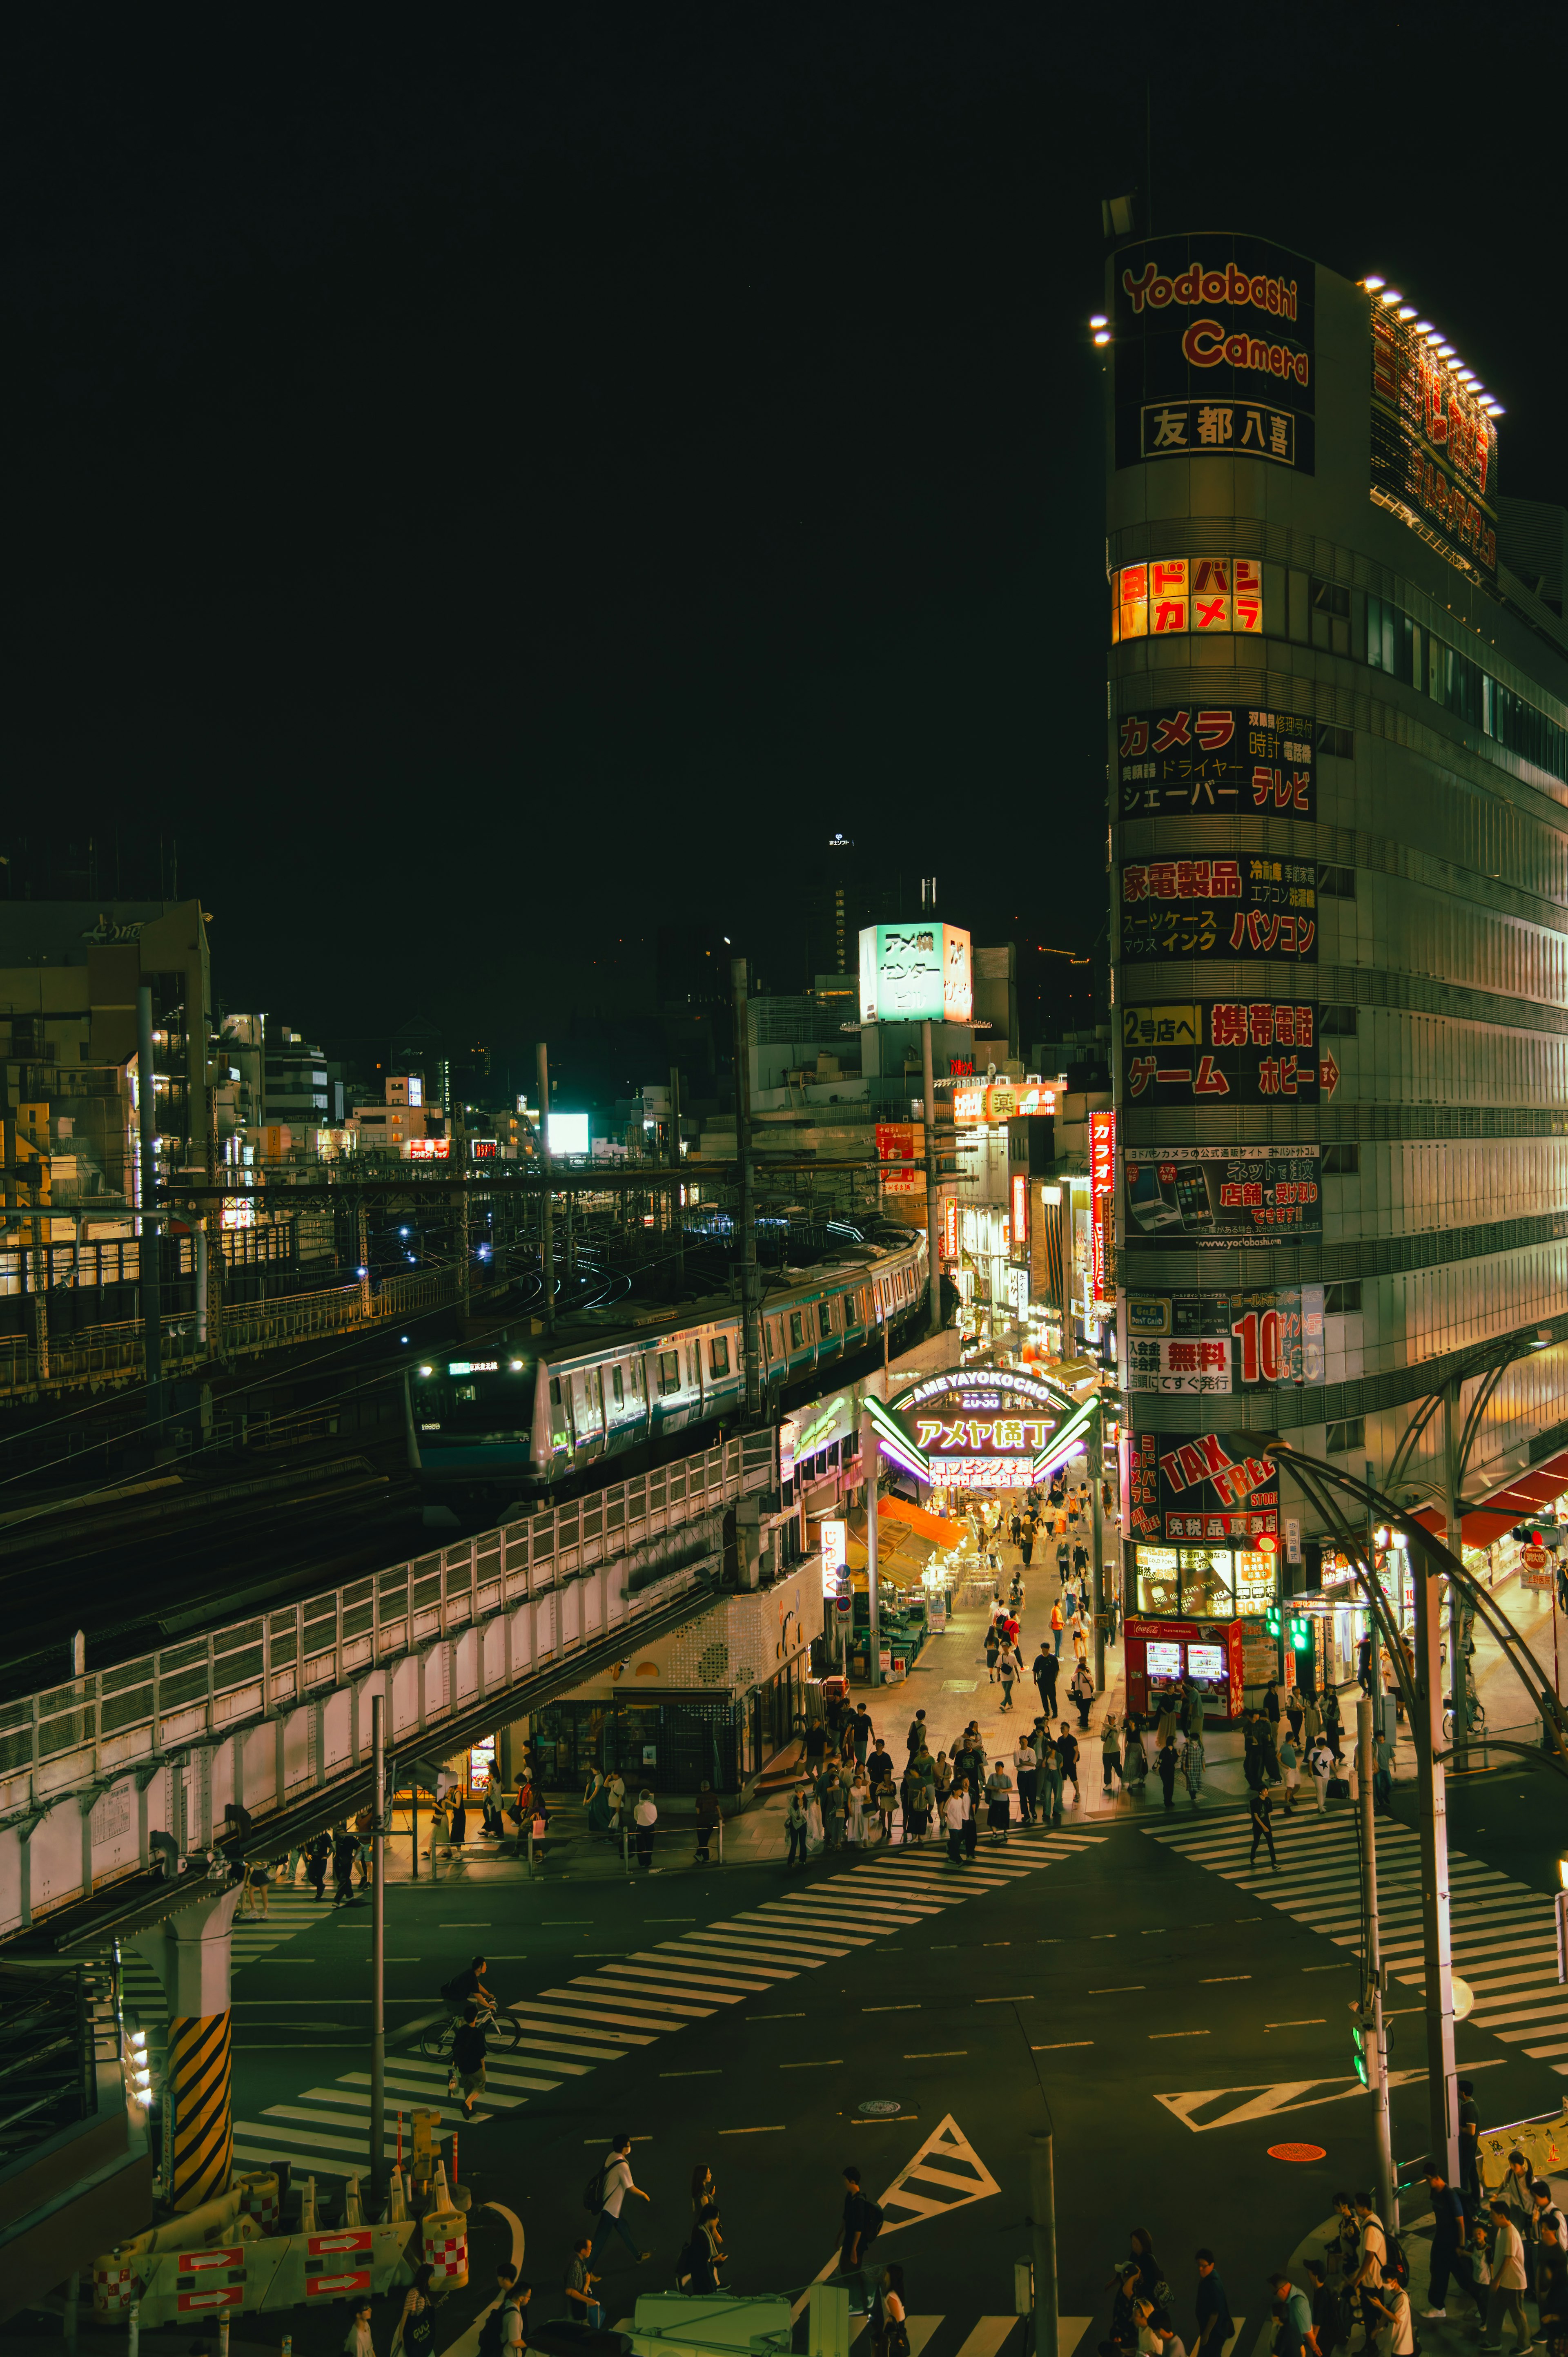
<point x="877" y="2109"/>
<point x="1297" y="2152"/>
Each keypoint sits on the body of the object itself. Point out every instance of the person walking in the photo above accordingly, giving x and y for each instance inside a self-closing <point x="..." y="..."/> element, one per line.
<point x="1046" y="1671"/>
<point x="862" y="2224"/>
<point x="1508" y="2283"/>
<point x="316" y="1859"/>
<point x="1081" y="1689"/>
<point x="833" y="1800"/>
<point x="1261" y="1814"/>
<point x="889" y="2318"/>
<point x="914" y="1740"/>
<point x="582" y="2307"/>
<point x="862" y="1731"/>
<point x="708" y="1817"/>
<point x="1110" y="1749"/>
<point x="971" y="1798"/>
<point x="1320" y="1762"/>
<point x="1193" y="1761"/>
<point x="1026" y="1770"/>
<point x="993" y="1652"/>
<point x="795" y="1826"/>
<point x="1212" y="2310"/>
<point x="1449" y="2256"/>
<point x="953" y="1817"/>
<point x="999" y="1802"/>
<point x="1291" y="1772"/>
<point x="1007" y="1666"/>
<point x="414" y="2335"/>
<point x="1364" y="1661"/>
<point x="1059" y="1622"/>
<point x="1167" y="1766"/>
<point x="645" y="1816"/>
<point x="1293" y="2307"/>
<point x="469" y="2046"/>
<point x="459" y="1817"/>
<point x="859" y="1801"/>
<point x="1067" y="1761"/>
<point x="345" y="1848"/>
<point x="615" y="2186"/>
<point x="1382" y="1771"/>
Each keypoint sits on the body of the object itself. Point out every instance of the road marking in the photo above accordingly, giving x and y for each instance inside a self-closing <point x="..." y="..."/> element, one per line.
<point x="1212" y="1980"/>
<point x="1061" y="2044"/>
<point x="1180" y="2033"/>
<point x="1338" y="1968"/>
<point x="776" y="2017"/>
<point x="1027" y="1998"/>
<point x="699" y="2074"/>
<point x="826" y="2063"/>
<point x="468" y="1924"/>
<point x="936" y="2053"/>
<point x="946" y="2160"/>
<point x="775" y="2128"/>
<point x="1265" y="2102"/>
<point x="890" y="2008"/>
<point x="988" y="2336"/>
<point x="1307" y="2021"/>
<point x="1122" y="1988"/>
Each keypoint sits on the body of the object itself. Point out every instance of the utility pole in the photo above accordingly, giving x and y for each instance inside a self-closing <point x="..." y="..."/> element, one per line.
<point x="1042" y="2241"/>
<point x="547" y="1223"/>
<point x="1377" y="2053"/>
<point x="379" y="1956"/>
<point x="676" y="1216"/>
<point x="750" y="1298"/>
<point x="1454" y="1517"/>
<point x="933" y="1209"/>
<point x="870" y="1459"/>
<point x="151" y="1268"/>
<point x="1432" y="1815"/>
<point x="1096" y="1491"/>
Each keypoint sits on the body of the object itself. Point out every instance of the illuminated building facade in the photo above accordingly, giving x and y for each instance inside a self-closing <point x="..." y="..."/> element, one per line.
<point x="1338" y="746"/>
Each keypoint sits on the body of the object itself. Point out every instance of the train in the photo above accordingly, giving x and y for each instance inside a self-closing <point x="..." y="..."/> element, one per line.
<point x="522" y="1423"/>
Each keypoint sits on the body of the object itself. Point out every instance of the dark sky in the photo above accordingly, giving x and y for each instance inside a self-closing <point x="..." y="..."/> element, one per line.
<point x="485" y="481"/>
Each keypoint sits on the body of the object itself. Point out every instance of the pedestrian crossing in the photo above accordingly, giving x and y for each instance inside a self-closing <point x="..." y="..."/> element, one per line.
<point x="627" y="2004"/>
<point x="141" y="1986"/>
<point x="1503" y="1934"/>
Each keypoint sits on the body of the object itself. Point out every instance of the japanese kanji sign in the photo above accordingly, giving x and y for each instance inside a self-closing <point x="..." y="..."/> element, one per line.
<point x="1212" y="340"/>
<point x="1434" y="446"/>
<point x="1242" y="908"/>
<point x="1195" y="759"/>
<point x="1189" y="1341"/>
<point x="977" y="1428"/>
<point x="1170" y="595"/>
<point x="1102" y="1193"/>
<point x="1225" y="1051"/>
<point x="1205" y="1485"/>
<point x="1223" y="1195"/>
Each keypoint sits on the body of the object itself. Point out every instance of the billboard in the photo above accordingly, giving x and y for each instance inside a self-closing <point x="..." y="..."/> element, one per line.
<point x="1212" y="596"/>
<point x="898" y="1143"/>
<point x="1102" y="1194"/>
<point x="1003" y="1100"/>
<point x="979" y="1428"/>
<point x="1219" y="907"/>
<point x="1185" y="1342"/>
<point x="1200" y="1485"/>
<point x="912" y="973"/>
<point x="1212" y="340"/>
<point x="1190" y="760"/>
<point x="568" y="1133"/>
<point x="1213" y="1051"/>
<point x="1222" y="1195"/>
<point x="1435" y="445"/>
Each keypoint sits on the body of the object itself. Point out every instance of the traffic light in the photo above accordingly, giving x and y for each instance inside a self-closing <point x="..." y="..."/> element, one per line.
<point x="1363" y="2043"/>
<point x="1300" y="1633"/>
<point x="1272" y="1622"/>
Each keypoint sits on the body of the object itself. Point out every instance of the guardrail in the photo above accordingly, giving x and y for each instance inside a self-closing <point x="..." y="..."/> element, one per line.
<point x="262" y="1711"/>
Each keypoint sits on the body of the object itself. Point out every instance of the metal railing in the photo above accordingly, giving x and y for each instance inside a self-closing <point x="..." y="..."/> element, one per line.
<point x="456" y="1613"/>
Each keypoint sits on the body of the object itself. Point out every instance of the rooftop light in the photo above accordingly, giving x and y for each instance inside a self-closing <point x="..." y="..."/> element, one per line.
<point x="1372" y="284"/>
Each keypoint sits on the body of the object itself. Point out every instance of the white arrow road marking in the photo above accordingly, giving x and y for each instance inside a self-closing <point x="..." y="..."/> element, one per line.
<point x="965" y="2175"/>
<point x="1282" y="2095"/>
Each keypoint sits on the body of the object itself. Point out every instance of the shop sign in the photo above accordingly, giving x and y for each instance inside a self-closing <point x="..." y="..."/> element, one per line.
<point x="976" y="1428"/>
<point x="1268" y="1340"/>
<point x="1170" y="596"/>
<point x="1201" y="1486"/>
<point x="1434" y="446"/>
<point x="1102" y="1194"/>
<point x="1219" y="907"/>
<point x="1208" y="1051"/>
<point x="897" y="1145"/>
<point x="911" y="973"/>
<point x="1191" y="759"/>
<point x="1002" y="1101"/>
<point x="1222" y="1195"/>
<point x="834" y="1537"/>
<point x="1213" y="350"/>
<point x="950" y="1228"/>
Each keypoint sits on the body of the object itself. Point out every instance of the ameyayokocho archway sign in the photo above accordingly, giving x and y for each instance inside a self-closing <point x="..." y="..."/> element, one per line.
<point x="980" y="1428"/>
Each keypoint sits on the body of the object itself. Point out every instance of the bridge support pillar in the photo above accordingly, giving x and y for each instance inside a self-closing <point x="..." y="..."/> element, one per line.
<point x="191" y="1953"/>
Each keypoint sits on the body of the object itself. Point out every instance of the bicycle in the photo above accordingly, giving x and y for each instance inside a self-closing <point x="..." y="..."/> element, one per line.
<point x="435" y="2038"/>
<point x="1478" y="1718"/>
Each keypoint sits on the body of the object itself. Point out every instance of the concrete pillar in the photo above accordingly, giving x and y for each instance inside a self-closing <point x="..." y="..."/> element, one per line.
<point x="192" y="1954"/>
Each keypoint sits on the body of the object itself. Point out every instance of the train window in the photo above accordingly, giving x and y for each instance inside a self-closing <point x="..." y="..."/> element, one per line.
<point x="718" y="1355"/>
<point x="774" y="1346"/>
<point x="853" y="1313"/>
<point x="669" y="1372"/>
<point x="554" y="1391"/>
<point x="797" y="1331"/>
<point x="465" y="1391"/>
<point x="694" y="1365"/>
<point x="824" y="1318"/>
<point x="616" y="1384"/>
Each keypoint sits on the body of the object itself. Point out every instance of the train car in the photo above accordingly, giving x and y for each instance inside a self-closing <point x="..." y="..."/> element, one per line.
<point x="515" y="1423"/>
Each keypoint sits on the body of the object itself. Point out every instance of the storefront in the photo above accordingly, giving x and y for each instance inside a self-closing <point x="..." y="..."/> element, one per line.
<point x="1209" y="1606"/>
<point x="1160" y="1654"/>
<point x="674" y="1744"/>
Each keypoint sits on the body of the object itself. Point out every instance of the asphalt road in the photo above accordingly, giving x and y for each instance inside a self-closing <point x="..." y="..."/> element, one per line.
<point x="1135" y="1998"/>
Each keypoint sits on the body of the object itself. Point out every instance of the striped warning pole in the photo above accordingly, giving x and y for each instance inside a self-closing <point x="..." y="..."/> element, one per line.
<point x="200" y="2093"/>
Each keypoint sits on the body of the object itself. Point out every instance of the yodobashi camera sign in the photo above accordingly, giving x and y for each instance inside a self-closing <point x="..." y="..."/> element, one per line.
<point x="911" y="972"/>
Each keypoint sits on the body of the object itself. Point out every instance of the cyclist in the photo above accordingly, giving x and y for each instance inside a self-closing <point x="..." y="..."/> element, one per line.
<point x="470" y="1988"/>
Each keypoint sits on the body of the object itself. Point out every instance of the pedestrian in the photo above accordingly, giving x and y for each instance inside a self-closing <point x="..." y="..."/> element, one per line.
<point x="1026" y="1547"/>
<point x="506" y="2316"/>
<point x="862" y="2224"/>
<point x="1294" y="1715"/>
<point x="493" y="1824"/>
<point x="816" y="1834"/>
<point x="1110" y="1749"/>
<point x="357" y="2340"/>
<point x="834" y="1799"/>
<point x="708" y="1817"/>
<point x="953" y="1817"/>
<point x="1470" y="2146"/>
<point x="1212" y="2309"/>
<point x="1383" y="1770"/>
<point x="971" y="1820"/>
<point x="1261" y="1814"/>
<point x="467" y="2074"/>
<point x="1007" y="1664"/>
<point x="582" y="2307"/>
<point x="796" y="1825"/>
<point x="1508" y="2283"/>
<point x="1193" y="1760"/>
<point x="344" y="1849"/>
<point x="1364" y="1661"/>
<point x="1081" y="1689"/>
<point x="1294" y="2309"/>
<point x="615" y="2184"/>
<point x="1059" y="1622"/>
<point x="1045" y="1673"/>
<point x="1372" y="2258"/>
<point x="816" y="1743"/>
<point x="414" y="2335"/>
<point x="704" y="2249"/>
<point x="859" y="1802"/>
<point x="1167" y="1766"/>
<point x="889" y="2320"/>
<point x="1291" y="1772"/>
<point x="1448" y="2254"/>
<point x="862" y="1731"/>
<point x="915" y="1738"/>
<point x="879" y="1776"/>
<point x="1325" y="2301"/>
<point x="1271" y="1704"/>
<point x="645" y="1816"/>
<point x="993" y="1650"/>
<point x="1320" y="1761"/>
<point x="1066" y="1758"/>
<point x="999" y="1802"/>
<point x="1027" y="1768"/>
<point x="1392" y="2302"/>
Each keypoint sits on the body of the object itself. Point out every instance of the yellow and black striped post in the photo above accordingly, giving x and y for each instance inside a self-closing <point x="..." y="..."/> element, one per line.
<point x="199" y="2092"/>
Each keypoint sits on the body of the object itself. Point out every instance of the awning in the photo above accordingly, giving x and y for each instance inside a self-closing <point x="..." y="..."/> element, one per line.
<point x="1527" y="1494"/>
<point x="935" y="1527"/>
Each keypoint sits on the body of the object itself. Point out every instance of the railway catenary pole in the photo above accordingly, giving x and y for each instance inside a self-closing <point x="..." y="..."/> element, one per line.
<point x="933" y="1209"/>
<point x="749" y="1305"/>
<point x="546" y="1223"/>
<point x="676" y="1217"/>
<point x="151" y="1270"/>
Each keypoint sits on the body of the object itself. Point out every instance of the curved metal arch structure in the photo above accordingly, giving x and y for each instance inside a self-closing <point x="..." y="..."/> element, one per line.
<point x="1319" y="1482"/>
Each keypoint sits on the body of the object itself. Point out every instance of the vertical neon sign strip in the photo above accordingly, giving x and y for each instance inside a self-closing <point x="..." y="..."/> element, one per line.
<point x="1101" y="1166"/>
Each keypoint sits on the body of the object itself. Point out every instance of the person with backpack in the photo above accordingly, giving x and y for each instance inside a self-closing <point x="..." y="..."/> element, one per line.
<point x="889" y="2320"/>
<point x="697" y="2269"/>
<point x="1374" y="2260"/>
<point x="1449" y="2237"/>
<point x="862" y="2224"/>
<point x="606" y="2191"/>
<point x="502" y="2331"/>
<point x="645" y="1816"/>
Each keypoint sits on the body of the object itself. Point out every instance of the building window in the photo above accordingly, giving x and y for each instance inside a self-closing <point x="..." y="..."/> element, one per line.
<point x="1336" y="1022"/>
<point x="1342" y="1300"/>
<point x="1331" y="617"/>
<point x="1337" y="883"/>
<point x="1338" y="1161"/>
<point x="1341" y="742"/>
<point x="1343" y="1439"/>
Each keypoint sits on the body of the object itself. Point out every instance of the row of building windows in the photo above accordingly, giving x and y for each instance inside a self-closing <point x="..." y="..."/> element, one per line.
<point x="1410" y="652"/>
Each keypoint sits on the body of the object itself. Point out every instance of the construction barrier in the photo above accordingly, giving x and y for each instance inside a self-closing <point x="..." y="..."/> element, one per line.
<point x="1544" y="2144"/>
<point x="255" y="2273"/>
<point x="198" y="2090"/>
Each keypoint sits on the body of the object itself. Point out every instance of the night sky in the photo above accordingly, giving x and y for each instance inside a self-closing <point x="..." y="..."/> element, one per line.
<point x="487" y="482"/>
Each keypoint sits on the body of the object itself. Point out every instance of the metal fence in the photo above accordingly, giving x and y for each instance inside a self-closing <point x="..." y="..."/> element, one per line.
<point x="84" y="1738"/>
